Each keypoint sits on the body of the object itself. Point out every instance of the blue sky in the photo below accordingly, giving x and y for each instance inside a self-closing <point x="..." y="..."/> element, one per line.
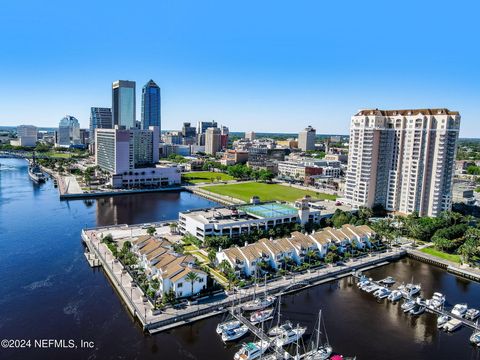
<point x="251" y="65"/>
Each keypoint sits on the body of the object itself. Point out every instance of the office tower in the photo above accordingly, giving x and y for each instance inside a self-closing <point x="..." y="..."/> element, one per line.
<point x="189" y="134"/>
<point x="402" y="159"/>
<point x="224" y="137"/>
<point x="212" y="140"/>
<point x="27" y="135"/>
<point x="123" y="103"/>
<point x="85" y="137"/>
<point x="250" y="135"/>
<point x="100" y="118"/>
<point x="202" y="127"/>
<point x="151" y="106"/>
<point x="68" y="132"/>
<point x="306" y="139"/>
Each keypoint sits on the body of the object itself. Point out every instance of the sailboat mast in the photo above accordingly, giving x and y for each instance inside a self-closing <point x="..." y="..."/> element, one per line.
<point x="318" y="328"/>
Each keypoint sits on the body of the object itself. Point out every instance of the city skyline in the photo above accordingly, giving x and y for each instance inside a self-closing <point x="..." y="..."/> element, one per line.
<point x="240" y="67"/>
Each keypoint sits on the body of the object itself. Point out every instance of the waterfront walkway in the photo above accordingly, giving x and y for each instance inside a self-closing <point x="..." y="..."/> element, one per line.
<point x="154" y="321"/>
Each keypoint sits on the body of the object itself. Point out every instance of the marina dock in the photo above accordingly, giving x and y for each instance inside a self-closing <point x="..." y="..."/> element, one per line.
<point x="154" y="321"/>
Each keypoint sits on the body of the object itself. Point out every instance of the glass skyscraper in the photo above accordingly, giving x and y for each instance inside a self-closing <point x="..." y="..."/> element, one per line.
<point x="151" y="105"/>
<point x="123" y="103"/>
<point x="100" y="118"/>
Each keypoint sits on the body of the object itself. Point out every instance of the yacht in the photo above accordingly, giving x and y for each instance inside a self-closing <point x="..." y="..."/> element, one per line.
<point x="370" y="288"/>
<point x="251" y="350"/>
<point x="475" y="338"/>
<point x="289" y="336"/>
<point x="442" y="320"/>
<point x="410" y="289"/>
<point x="259" y="303"/>
<point x="234" y="334"/>
<point x="459" y="310"/>
<point x="472" y="314"/>
<point x="417" y="310"/>
<point x="395" y="295"/>
<point x="261" y="316"/>
<point x="388" y="281"/>
<point x="437" y="301"/>
<point x="452" y="325"/>
<point x="408" y="305"/>
<point x="228" y="325"/>
<point x="382" y="293"/>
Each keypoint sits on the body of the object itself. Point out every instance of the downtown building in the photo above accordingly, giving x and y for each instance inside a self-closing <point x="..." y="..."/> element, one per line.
<point x="151" y="106"/>
<point x="100" y="118"/>
<point x="402" y="159"/>
<point x="26" y="136"/>
<point x="68" y="133"/>
<point x="306" y="139"/>
<point x="130" y="156"/>
<point x="124" y="104"/>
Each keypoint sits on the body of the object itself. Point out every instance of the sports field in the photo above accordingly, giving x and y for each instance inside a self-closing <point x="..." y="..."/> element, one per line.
<point x="196" y="177"/>
<point x="266" y="192"/>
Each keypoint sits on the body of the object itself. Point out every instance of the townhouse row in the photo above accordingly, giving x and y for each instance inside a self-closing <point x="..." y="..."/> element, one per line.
<point x="157" y="258"/>
<point x="244" y="260"/>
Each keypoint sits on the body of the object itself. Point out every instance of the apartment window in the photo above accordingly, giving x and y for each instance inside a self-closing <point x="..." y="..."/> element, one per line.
<point x="179" y="285"/>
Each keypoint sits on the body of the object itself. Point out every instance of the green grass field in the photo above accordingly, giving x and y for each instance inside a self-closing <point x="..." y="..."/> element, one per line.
<point x="266" y="192"/>
<point x="204" y="176"/>
<point x="442" y="255"/>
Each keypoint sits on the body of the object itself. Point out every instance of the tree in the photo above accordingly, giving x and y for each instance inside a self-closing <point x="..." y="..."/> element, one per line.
<point x="330" y="257"/>
<point x="311" y="254"/>
<point x="212" y="255"/>
<point x="151" y="230"/>
<point x="192" y="277"/>
<point x="232" y="278"/>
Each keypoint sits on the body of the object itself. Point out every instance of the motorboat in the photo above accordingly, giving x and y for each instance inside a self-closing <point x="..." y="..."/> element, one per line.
<point x="289" y="336"/>
<point x="395" y="295"/>
<point x="437" y="301"/>
<point x="363" y="283"/>
<point x="382" y="293"/>
<point x="475" y="338"/>
<point x="410" y="289"/>
<point x="251" y="350"/>
<point x="417" y="310"/>
<point x="277" y="330"/>
<point x="442" y="320"/>
<point x="452" y="325"/>
<point x="408" y="305"/>
<point x="261" y="316"/>
<point x="234" y="334"/>
<point x="459" y="310"/>
<point x="388" y="281"/>
<point x="370" y="288"/>
<point x="259" y="303"/>
<point x="472" y="314"/>
<point x="228" y="325"/>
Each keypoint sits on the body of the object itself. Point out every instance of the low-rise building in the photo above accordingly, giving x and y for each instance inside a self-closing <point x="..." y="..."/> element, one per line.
<point x="232" y="157"/>
<point x="234" y="221"/>
<point x="245" y="260"/>
<point x="160" y="262"/>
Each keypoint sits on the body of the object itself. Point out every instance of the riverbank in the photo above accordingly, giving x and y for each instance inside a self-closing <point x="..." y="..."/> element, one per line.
<point x="452" y="267"/>
<point x="154" y="321"/>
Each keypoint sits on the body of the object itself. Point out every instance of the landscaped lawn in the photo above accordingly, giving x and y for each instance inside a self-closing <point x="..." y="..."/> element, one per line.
<point x="62" y="155"/>
<point x="266" y="192"/>
<point x="434" y="252"/>
<point x="205" y="176"/>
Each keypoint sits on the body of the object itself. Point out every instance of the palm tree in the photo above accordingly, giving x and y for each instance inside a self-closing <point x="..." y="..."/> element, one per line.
<point x="192" y="277"/>
<point x="310" y="254"/>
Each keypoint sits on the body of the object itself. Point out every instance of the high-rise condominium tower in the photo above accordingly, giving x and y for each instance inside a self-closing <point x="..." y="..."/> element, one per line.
<point x="212" y="140"/>
<point x="402" y="159"/>
<point x="123" y="103"/>
<point x="151" y="106"/>
<point x="306" y="139"/>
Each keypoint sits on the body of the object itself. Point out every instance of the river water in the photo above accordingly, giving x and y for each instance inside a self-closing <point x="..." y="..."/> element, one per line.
<point x="48" y="291"/>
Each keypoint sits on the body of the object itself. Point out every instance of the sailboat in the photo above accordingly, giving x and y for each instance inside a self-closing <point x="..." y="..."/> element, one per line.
<point x="319" y="351"/>
<point x="259" y="303"/>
